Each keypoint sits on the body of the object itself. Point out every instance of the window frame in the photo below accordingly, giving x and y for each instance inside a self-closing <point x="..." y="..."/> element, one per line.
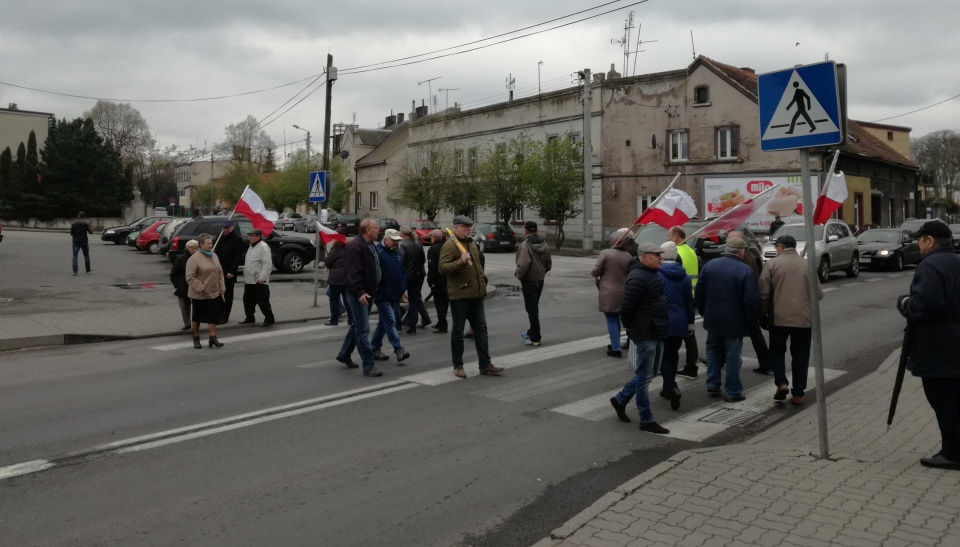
<point x="732" y="142"/>
<point x="374" y="201"/>
<point x="696" y="95"/>
<point x="684" y="153"/>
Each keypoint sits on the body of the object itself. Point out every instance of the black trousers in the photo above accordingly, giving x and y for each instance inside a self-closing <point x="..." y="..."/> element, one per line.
<point x="531" y="302"/>
<point x="442" y="303"/>
<point x="257" y="294"/>
<point x="799" y="356"/>
<point x="229" y="286"/>
<point x="943" y="394"/>
<point x="693" y="352"/>
<point x="760" y="346"/>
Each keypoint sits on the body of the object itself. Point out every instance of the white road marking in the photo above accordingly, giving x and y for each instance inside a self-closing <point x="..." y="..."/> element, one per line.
<point x="571" y="376"/>
<point x="25" y="468"/>
<point x="243" y="337"/>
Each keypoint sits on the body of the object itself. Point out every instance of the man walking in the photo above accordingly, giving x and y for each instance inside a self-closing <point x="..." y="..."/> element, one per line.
<point x="533" y="263"/>
<point x="389" y="292"/>
<point x="759" y="342"/>
<point x="932" y="310"/>
<point x="727" y="299"/>
<point x="257" y="266"/>
<point x="437" y="282"/>
<point x="466" y="287"/>
<point x="229" y="249"/>
<point x="691" y="263"/>
<point x="363" y="278"/>
<point x="414" y="272"/>
<point x="785" y="302"/>
<point x="79" y="230"/>
<point x="644" y="315"/>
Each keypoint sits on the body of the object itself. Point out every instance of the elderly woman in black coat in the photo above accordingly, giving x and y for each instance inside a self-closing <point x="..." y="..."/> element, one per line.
<point x="178" y="277"/>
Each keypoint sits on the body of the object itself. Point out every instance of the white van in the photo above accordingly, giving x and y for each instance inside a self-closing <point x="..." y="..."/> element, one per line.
<point x="161" y="211"/>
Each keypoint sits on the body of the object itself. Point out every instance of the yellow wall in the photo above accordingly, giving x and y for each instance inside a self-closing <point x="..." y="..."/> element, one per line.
<point x="854" y="185"/>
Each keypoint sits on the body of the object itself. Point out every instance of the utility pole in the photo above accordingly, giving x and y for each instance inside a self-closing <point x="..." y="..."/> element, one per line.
<point x="587" y="164"/>
<point x="331" y="77"/>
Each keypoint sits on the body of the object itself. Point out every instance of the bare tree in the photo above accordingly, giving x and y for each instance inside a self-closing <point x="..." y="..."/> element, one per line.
<point x="247" y="142"/>
<point x="122" y="125"/>
<point x="938" y="155"/>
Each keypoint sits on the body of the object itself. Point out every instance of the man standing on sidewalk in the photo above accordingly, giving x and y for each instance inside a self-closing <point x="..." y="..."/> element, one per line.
<point x="785" y="302"/>
<point x="728" y="301"/>
<point x="414" y="272"/>
<point x="691" y="263"/>
<point x="257" y="266"/>
<point x="644" y="315"/>
<point x="466" y="287"/>
<point x="78" y="231"/>
<point x="437" y="282"/>
<point x="932" y="310"/>
<point x="229" y="249"/>
<point x="533" y="263"/>
<point x="363" y="278"/>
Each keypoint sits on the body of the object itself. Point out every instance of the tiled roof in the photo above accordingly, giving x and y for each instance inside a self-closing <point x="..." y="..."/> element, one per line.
<point x="746" y="78"/>
<point x="395" y="140"/>
<point x="372" y="137"/>
<point x="861" y="142"/>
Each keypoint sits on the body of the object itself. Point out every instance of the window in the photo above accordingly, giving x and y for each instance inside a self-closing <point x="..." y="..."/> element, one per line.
<point x="552" y="138"/>
<point x="472" y="161"/>
<point x="701" y="95"/>
<point x="728" y="145"/>
<point x="518" y="214"/>
<point x="357" y="202"/>
<point x="889" y="135"/>
<point x="374" y="201"/>
<point x="679" y="146"/>
<point x="458" y="157"/>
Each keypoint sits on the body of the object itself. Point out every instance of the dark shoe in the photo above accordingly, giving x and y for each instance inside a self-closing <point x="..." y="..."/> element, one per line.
<point x="621" y="410"/>
<point x="401" y="355"/>
<point x="781" y="394"/>
<point x="491" y="370"/>
<point x="89" y="271"/>
<point x="459" y="373"/>
<point x="330" y="323"/>
<point x="797" y="400"/>
<point x="380" y="356"/>
<point x="372" y="372"/>
<point x="266" y="323"/>
<point x="675" y="398"/>
<point x="714" y="390"/>
<point x="247" y="321"/>
<point x="654" y="427"/>
<point x="214" y="343"/>
<point x="196" y="342"/>
<point x="347" y="361"/>
<point x="734" y="399"/>
<point x="185" y="327"/>
<point x="665" y="394"/>
<point x="426" y="324"/>
<point x="412" y="330"/>
<point x="763" y="370"/>
<point x="439" y="331"/>
<point x="690" y="372"/>
<point x="937" y="461"/>
<point x="614" y="352"/>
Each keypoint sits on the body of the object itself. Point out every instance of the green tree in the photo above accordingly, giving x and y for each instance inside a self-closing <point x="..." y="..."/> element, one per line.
<point x="503" y="175"/>
<point x="202" y="196"/>
<point x="556" y="180"/>
<point x="341" y="185"/>
<point x="422" y="180"/>
<point x="9" y="192"/>
<point x="32" y="168"/>
<point x="938" y="155"/>
<point x="237" y="178"/>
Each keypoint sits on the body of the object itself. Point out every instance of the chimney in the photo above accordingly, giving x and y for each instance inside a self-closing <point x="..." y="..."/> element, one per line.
<point x="390" y="120"/>
<point x="413" y="110"/>
<point x="399" y="117"/>
<point x="613" y="72"/>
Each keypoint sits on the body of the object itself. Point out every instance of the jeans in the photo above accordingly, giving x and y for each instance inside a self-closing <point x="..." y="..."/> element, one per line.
<point x="943" y="394"/>
<point x="718" y="349"/>
<point x="257" y="294"/>
<point x="469" y="310"/>
<point x="336" y="294"/>
<point x="614" y="327"/>
<point x="358" y="335"/>
<point x="85" y="247"/>
<point x="531" y="302"/>
<point x="671" y="360"/>
<point x="386" y="324"/>
<point x="647" y="354"/>
<point x="799" y="356"/>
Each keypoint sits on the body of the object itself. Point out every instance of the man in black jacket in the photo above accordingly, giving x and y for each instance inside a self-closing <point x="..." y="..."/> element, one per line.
<point x="78" y="231"/>
<point x="229" y="248"/>
<point x="643" y="312"/>
<point x="363" y="278"/>
<point x="437" y="282"/>
<point x="932" y="310"/>
<point x="413" y="273"/>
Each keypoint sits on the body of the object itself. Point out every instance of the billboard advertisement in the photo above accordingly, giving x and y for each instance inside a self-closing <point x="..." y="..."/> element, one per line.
<point x="723" y="193"/>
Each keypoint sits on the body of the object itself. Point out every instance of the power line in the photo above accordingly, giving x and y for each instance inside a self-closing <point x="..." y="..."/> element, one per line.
<point x="917" y="110"/>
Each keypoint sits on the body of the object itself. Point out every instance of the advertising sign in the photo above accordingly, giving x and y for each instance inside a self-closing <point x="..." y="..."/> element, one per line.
<point x="723" y="193"/>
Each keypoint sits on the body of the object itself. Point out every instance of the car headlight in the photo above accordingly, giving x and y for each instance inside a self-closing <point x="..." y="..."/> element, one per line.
<point x="883" y="253"/>
<point x="109" y="232"/>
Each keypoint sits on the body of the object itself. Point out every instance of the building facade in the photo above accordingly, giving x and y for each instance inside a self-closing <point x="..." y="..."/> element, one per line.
<point x="16" y="125"/>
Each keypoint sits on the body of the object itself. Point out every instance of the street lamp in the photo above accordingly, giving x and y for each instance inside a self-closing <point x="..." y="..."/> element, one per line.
<point x="295" y="126"/>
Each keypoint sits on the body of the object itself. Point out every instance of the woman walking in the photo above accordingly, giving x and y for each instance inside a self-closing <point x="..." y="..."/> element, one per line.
<point x="178" y="277"/>
<point x="611" y="274"/>
<point x="205" y="278"/>
<point x="336" y="263"/>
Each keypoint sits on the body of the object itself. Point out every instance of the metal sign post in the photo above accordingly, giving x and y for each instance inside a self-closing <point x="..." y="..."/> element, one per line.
<point x="318" y="190"/>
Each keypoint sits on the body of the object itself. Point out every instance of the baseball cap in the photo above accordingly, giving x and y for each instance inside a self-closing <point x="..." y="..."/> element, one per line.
<point x="530" y="226"/>
<point x="227" y="223"/>
<point x="934" y="229"/>
<point x="392" y="234"/>
<point x="786" y="241"/>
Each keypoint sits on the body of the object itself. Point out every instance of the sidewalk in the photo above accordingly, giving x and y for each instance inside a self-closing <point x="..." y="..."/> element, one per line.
<point x="774" y="489"/>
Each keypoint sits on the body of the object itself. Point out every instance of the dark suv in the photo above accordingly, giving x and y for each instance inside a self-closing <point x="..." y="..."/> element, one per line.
<point x="494" y="237"/>
<point x="344" y="223"/>
<point x="290" y="253"/>
<point x="384" y="224"/>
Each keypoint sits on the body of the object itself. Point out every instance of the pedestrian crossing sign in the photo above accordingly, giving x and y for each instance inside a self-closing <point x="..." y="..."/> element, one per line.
<point x="800" y="107"/>
<point x="319" y="181"/>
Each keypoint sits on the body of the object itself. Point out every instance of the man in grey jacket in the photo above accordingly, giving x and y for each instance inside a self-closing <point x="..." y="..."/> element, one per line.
<point x="257" y="266"/>
<point x="533" y="263"/>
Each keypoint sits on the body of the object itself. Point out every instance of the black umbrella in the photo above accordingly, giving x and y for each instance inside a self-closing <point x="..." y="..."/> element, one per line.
<point x="908" y="335"/>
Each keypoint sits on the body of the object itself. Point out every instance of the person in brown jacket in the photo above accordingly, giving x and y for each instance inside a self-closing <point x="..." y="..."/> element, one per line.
<point x="205" y="278"/>
<point x="610" y="271"/>
<point x="533" y="263"/>
<point x="784" y="292"/>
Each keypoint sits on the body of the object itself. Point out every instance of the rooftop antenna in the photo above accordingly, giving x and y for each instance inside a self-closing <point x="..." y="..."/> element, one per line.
<point x="624" y="41"/>
<point x="510" y="85"/>
<point x="692" y="46"/>
<point x="430" y="86"/>
<point x="638" y="50"/>
<point x="447" y="90"/>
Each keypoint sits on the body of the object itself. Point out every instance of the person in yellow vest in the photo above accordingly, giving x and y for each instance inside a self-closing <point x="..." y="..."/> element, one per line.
<point x="690" y="263"/>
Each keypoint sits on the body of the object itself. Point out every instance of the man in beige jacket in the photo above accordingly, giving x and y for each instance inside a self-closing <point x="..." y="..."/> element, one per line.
<point x="785" y="303"/>
<point x="257" y="265"/>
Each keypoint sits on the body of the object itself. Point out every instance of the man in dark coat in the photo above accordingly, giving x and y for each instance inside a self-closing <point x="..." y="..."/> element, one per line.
<point x="414" y="272"/>
<point x="78" y="231"/>
<point x="229" y="248"/>
<point x="728" y="300"/>
<point x="389" y="292"/>
<point x="363" y="278"/>
<point x="760" y="348"/>
<point x="437" y="282"/>
<point x="533" y="262"/>
<point x="644" y="315"/>
<point x="932" y="310"/>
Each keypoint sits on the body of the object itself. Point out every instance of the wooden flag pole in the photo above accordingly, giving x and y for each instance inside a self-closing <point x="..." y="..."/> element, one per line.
<point x="459" y="245"/>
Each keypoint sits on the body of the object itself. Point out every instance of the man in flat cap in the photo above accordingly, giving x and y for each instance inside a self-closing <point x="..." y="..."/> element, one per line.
<point x="229" y="248"/>
<point x="414" y="270"/>
<point x="257" y="265"/>
<point x="437" y="282"/>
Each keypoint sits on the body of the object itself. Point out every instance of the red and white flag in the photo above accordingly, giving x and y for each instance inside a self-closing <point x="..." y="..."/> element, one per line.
<point x="251" y="206"/>
<point x="327" y="235"/>
<point x="673" y="208"/>
<point x="833" y="195"/>
<point x="733" y="218"/>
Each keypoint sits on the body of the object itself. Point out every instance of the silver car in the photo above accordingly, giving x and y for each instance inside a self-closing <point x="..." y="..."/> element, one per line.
<point x="837" y="250"/>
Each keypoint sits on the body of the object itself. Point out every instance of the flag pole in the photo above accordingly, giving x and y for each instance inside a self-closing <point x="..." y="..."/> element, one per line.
<point x="230" y="216"/>
<point x="738" y="206"/>
<point x="653" y="204"/>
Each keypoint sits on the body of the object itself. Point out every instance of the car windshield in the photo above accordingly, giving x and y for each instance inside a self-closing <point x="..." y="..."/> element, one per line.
<point x="424" y="225"/>
<point x="501" y="229"/>
<point x="879" y="236"/>
<point x="799" y="232"/>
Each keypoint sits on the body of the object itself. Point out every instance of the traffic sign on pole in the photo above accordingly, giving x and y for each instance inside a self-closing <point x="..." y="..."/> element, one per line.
<point x="800" y="107"/>
<point x="319" y="183"/>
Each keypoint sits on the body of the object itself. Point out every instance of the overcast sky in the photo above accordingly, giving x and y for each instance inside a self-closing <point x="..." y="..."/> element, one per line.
<point x="901" y="56"/>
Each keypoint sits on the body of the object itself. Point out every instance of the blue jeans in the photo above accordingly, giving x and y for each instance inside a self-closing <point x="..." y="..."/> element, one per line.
<point x="358" y="335"/>
<point x="85" y="247"/>
<point x="386" y="324"/>
<point x="648" y="354"/>
<point x="614" y="327"/>
<point x="336" y="294"/>
<point x="718" y="349"/>
<point x="469" y="310"/>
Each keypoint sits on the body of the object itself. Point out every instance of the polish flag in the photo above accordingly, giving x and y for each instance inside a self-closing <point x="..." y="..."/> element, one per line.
<point x="251" y="206"/>
<point x="327" y="235"/>
<point x="673" y="208"/>
<point x="834" y="193"/>
<point x="733" y="218"/>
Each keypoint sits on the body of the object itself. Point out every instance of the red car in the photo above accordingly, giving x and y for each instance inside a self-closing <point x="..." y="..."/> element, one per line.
<point x="149" y="239"/>
<point x="423" y="228"/>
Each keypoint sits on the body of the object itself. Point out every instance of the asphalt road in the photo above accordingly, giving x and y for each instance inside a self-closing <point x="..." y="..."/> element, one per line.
<point x="302" y="451"/>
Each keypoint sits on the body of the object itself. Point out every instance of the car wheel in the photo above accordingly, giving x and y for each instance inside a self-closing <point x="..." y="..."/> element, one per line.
<point x="482" y="246"/>
<point x="824" y="271"/>
<point x="898" y="262"/>
<point x="853" y="270"/>
<point x="292" y="263"/>
<point x="153" y="247"/>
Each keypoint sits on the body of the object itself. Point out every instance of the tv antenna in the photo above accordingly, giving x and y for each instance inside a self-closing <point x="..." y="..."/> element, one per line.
<point x="447" y="91"/>
<point x="694" y="49"/>
<point x="510" y="81"/>
<point x="638" y="50"/>
<point x="430" y="87"/>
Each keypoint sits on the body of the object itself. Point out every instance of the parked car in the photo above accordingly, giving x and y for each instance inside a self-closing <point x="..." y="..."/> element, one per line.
<point x="287" y="221"/>
<point x="888" y="248"/>
<point x="1" y="233"/>
<point x="422" y="228"/>
<point x="167" y="232"/>
<point x="837" y="250"/>
<point x="344" y="223"/>
<point x="118" y="234"/>
<point x="955" y="228"/>
<point x="306" y="224"/>
<point x="290" y="253"/>
<point x="149" y="239"/>
<point x="706" y="248"/>
<point x="384" y="224"/>
<point x="494" y="237"/>
<point x="914" y="224"/>
<point x="132" y="239"/>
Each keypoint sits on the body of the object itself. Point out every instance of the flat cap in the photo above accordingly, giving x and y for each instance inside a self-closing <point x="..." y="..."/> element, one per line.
<point x="463" y="220"/>
<point x="405" y="230"/>
<point x="736" y="244"/>
<point x="257" y="233"/>
<point x="649" y="248"/>
<point x="934" y="229"/>
<point x="786" y="241"/>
